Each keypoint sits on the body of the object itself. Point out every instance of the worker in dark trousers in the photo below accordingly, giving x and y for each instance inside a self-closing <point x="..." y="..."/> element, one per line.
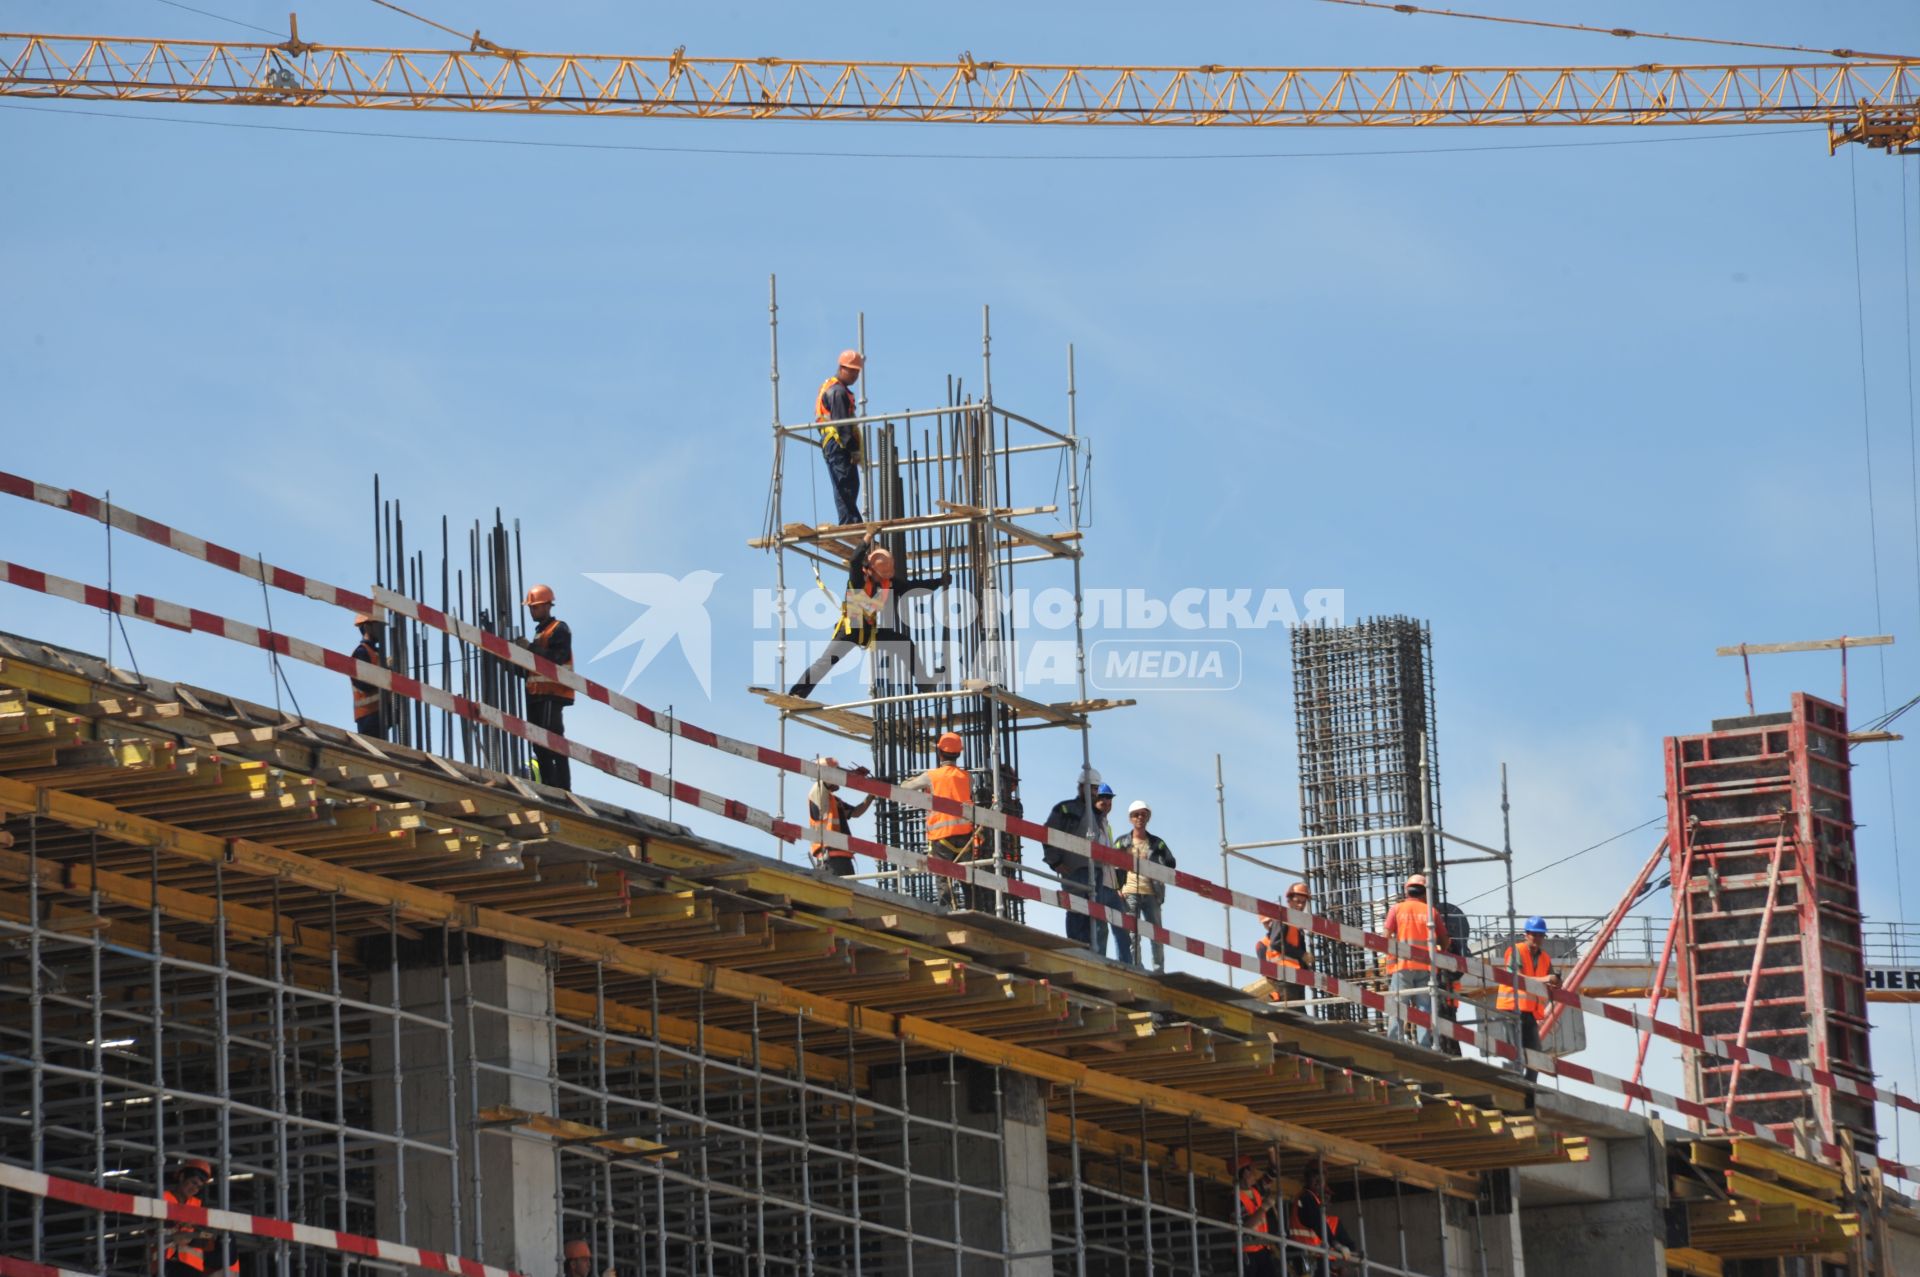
<point x="828" y="812"/>
<point x="951" y="836"/>
<point x="1085" y="815"/>
<point x="1309" y="1224"/>
<point x="1285" y="946"/>
<point x="839" y="437"/>
<point x="870" y="615"/>
<point x="1523" y="1010"/>
<point x="369" y="712"/>
<point x="547" y="699"/>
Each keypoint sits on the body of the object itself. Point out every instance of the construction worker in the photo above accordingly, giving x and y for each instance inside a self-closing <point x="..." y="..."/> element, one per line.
<point x="1414" y="921"/>
<point x="1285" y="946"/>
<point x="189" y="1249"/>
<point x="870" y="616"/>
<point x="1009" y="804"/>
<point x="1309" y="1224"/>
<point x="369" y="712"/>
<point x="1085" y="815"/>
<point x="1140" y="895"/>
<point x="949" y="836"/>
<point x="547" y="699"/>
<point x="1253" y="1183"/>
<point x="1521" y="1009"/>
<point x="579" y="1260"/>
<point x="826" y="810"/>
<point x="840" y="437"/>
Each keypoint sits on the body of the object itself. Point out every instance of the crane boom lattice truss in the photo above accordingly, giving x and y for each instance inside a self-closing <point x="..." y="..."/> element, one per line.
<point x="1871" y="101"/>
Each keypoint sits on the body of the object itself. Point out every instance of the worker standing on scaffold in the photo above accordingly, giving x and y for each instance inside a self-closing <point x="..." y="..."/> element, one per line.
<point x="950" y="835"/>
<point x="870" y="618"/>
<point x="547" y="699"/>
<point x="834" y="410"/>
<point x="369" y="715"/>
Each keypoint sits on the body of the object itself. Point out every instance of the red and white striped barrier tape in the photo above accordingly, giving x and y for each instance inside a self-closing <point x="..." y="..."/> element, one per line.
<point x="10" y="1267"/>
<point x="53" y="1187"/>
<point x="976" y="873"/>
<point x="308" y="587"/>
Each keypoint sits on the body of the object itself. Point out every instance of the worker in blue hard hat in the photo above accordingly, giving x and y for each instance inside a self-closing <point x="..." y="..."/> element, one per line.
<point x="1085" y="815"/>
<point x="1521" y="1008"/>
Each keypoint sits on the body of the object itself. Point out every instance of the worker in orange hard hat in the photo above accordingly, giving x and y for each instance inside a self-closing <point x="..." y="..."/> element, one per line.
<point x="840" y="436"/>
<point x="579" y="1260"/>
<point x="950" y="835"/>
<point x="548" y="698"/>
<point x="1253" y="1188"/>
<point x="1285" y="945"/>
<point x="870" y="618"/>
<point x="369" y="703"/>
<point x="828" y="812"/>
<point x="1415" y="921"/>
<point x="188" y="1249"/>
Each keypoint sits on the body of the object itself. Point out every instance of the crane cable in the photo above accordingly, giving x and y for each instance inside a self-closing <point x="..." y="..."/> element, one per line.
<point x="1624" y="33"/>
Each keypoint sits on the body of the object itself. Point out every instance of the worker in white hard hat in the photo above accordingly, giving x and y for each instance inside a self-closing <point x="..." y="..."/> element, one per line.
<point x="840" y="436"/>
<point x="1140" y="894"/>
<point x="548" y="698"/>
<point x="369" y="703"/>
<point x="1414" y="921"/>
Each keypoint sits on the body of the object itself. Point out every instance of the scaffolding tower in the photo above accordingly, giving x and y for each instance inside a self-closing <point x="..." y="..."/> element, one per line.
<point x="942" y="489"/>
<point x="1369" y="779"/>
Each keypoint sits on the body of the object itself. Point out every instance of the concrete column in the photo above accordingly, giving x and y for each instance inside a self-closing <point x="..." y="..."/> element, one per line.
<point x="1014" y="1216"/>
<point x="516" y="1217"/>
<point x="1435" y="1233"/>
<point x="1605" y="1217"/>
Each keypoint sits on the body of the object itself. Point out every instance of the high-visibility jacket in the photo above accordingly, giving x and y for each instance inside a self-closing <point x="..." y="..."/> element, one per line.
<point x="1299" y="1230"/>
<point x="366" y="697"/>
<point x="949" y="781"/>
<point x="1538" y="967"/>
<point x="554" y="641"/>
<point x="834" y="818"/>
<point x="828" y="413"/>
<point x="1284" y="945"/>
<point x="1253" y="1215"/>
<point x="190" y="1255"/>
<point x="1414" y="922"/>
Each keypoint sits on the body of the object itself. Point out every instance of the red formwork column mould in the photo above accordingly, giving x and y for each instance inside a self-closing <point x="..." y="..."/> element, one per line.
<point x="1750" y="792"/>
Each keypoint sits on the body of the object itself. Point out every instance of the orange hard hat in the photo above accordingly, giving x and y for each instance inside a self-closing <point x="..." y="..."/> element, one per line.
<point x="1418" y="880"/>
<point x="198" y="1164"/>
<point x="539" y="594"/>
<point x="579" y="1250"/>
<point x="365" y="618"/>
<point x="950" y="743"/>
<point x="853" y="359"/>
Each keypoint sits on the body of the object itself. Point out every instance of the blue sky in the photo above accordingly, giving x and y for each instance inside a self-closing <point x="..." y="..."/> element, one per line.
<point x="1591" y="402"/>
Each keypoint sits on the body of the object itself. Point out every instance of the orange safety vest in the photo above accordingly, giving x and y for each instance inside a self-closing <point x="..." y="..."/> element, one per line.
<point x="538" y="686"/>
<point x="834" y="818"/>
<point x="192" y="1256"/>
<point x="1408" y="923"/>
<point x="1297" y="1229"/>
<point x="949" y="781"/>
<point x="1292" y="940"/>
<point x="830" y="432"/>
<point x="1535" y="968"/>
<point x="1253" y="1215"/>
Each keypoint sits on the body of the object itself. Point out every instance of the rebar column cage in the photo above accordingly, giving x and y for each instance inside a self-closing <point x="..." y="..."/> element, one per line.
<point x="1363" y="704"/>
<point x="940" y="487"/>
<point x="1766" y="894"/>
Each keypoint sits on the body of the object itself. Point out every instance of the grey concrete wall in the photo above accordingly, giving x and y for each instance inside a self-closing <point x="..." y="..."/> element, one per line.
<point x="1605" y="1217"/>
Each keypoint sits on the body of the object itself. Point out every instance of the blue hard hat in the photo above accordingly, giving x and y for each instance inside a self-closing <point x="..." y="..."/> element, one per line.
<point x="1537" y="923"/>
<point x="1105" y="791"/>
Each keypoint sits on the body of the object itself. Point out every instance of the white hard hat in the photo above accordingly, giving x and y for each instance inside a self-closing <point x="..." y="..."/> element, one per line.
<point x="1089" y="776"/>
<point x="1138" y="804"/>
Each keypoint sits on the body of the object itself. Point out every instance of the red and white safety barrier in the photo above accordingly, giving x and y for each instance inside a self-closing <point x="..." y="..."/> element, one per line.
<point x="976" y="873"/>
<point x="53" y="1187"/>
<point x="195" y="547"/>
<point x="27" y="1268"/>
